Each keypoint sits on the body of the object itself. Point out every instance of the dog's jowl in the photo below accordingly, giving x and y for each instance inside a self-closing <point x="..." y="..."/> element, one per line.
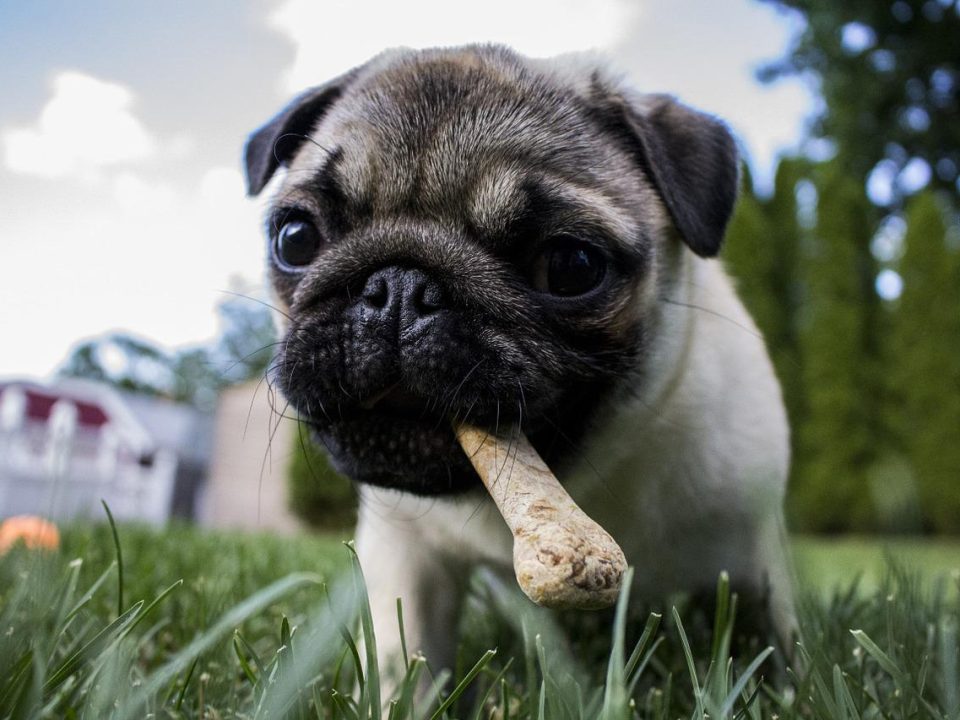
<point x="470" y="235"/>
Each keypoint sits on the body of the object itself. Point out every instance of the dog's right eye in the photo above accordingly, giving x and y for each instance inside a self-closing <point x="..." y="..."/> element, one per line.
<point x="568" y="267"/>
<point x="297" y="243"/>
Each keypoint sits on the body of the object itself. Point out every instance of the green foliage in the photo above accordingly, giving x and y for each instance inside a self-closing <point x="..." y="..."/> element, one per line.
<point x="875" y="413"/>
<point x="925" y="362"/>
<point x="810" y="291"/>
<point x="891" y="91"/>
<point x="838" y="437"/>
<point x="142" y="362"/>
<point x="784" y="280"/>
<point x="318" y="494"/>
<point x="66" y="651"/>
<point x="194" y="375"/>
<point x="750" y="252"/>
<point x="760" y="251"/>
<point x="215" y="626"/>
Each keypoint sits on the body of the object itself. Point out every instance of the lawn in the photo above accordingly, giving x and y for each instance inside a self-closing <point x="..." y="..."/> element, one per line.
<point x="831" y="563"/>
<point x="226" y="625"/>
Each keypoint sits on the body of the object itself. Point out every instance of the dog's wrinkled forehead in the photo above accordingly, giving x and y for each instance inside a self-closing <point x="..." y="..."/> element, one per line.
<point x="458" y="131"/>
<point x="465" y="135"/>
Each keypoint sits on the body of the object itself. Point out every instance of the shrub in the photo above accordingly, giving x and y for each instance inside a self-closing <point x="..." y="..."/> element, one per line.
<point x="317" y="493"/>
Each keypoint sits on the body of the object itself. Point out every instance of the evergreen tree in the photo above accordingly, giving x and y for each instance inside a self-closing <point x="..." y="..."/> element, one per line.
<point x="925" y="352"/>
<point x="786" y="233"/>
<point x="889" y="73"/>
<point x="750" y="255"/>
<point x="316" y="493"/>
<point x="838" y="439"/>
<point x="760" y="252"/>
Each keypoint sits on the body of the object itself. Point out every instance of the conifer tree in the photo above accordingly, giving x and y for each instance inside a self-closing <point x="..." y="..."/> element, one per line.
<point x="830" y="492"/>
<point x="925" y="357"/>
<point x="760" y="252"/>
<point x="750" y="256"/>
<point x="786" y="234"/>
<point x="889" y="74"/>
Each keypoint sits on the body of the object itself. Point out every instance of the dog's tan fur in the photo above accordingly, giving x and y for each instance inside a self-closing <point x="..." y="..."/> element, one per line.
<point x="685" y="461"/>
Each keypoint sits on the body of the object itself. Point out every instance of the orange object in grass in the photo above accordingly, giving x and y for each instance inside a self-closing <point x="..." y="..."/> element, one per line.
<point x="34" y="531"/>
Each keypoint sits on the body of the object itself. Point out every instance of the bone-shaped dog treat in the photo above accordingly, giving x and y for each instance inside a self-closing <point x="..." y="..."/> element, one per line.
<point x="562" y="558"/>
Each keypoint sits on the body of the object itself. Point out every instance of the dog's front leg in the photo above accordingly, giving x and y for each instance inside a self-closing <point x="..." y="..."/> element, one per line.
<point x="397" y="563"/>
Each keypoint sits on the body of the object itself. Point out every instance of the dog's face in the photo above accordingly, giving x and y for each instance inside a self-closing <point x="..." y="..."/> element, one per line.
<point x="468" y="235"/>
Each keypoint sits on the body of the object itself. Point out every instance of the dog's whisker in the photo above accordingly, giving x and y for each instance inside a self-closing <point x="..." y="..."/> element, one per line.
<point x="256" y="300"/>
<point x="714" y="313"/>
<point x="414" y="332"/>
<point x="581" y="456"/>
<point x="243" y="360"/>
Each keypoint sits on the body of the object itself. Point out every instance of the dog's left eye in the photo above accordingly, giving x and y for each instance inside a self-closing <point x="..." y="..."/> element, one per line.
<point x="297" y="243"/>
<point x="568" y="267"/>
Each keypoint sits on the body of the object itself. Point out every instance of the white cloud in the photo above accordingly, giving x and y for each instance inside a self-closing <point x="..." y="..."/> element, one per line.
<point x="144" y="243"/>
<point x="135" y="252"/>
<point x="148" y="245"/>
<point x="703" y="52"/>
<point x="86" y="126"/>
<point x="706" y="53"/>
<point x="135" y="194"/>
<point x="331" y="37"/>
<point x="222" y="186"/>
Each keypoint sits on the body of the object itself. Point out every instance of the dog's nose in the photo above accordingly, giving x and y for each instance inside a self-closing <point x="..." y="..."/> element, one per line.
<point x="405" y="293"/>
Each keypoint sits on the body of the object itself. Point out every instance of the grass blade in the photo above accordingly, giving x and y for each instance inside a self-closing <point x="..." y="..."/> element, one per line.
<point x="93" y="647"/>
<point x="404" y="705"/>
<point x="731" y="698"/>
<point x="884" y="660"/>
<point x="13" y="683"/>
<point x="344" y="706"/>
<point x="186" y="683"/>
<point x="230" y="620"/>
<point x="949" y="647"/>
<point x="66" y="594"/>
<point x="721" y="618"/>
<point x="649" y="630"/>
<point x="88" y="595"/>
<point x="159" y="599"/>
<point x="403" y="635"/>
<point x="239" y="647"/>
<point x="355" y="654"/>
<point x="116" y="545"/>
<point x="691" y="666"/>
<point x="464" y="684"/>
<point x="615" y="696"/>
<point x="371" y="698"/>
<point x="494" y="684"/>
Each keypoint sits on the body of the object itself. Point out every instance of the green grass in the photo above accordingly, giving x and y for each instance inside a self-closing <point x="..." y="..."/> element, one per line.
<point x="226" y="625"/>
<point x="831" y="563"/>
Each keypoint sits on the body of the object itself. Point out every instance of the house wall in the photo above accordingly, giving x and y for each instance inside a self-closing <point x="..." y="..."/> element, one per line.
<point x="54" y="464"/>
<point x="246" y="487"/>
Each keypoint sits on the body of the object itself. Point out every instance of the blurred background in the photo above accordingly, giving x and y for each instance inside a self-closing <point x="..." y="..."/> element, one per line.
<point x="134" y="331"/>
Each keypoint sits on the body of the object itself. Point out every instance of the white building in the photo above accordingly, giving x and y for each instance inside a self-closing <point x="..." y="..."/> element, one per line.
<point x="66" y="445"/>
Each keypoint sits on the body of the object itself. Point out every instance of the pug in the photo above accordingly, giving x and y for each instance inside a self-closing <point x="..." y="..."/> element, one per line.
<point x="468" y="234"/>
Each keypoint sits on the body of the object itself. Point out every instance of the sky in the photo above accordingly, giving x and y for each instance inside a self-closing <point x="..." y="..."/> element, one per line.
<point x="122" y="205"/>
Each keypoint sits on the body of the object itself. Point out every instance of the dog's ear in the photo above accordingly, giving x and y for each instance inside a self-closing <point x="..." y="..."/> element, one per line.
<point x="277" y="142"/>
<point x="692" y="160"/>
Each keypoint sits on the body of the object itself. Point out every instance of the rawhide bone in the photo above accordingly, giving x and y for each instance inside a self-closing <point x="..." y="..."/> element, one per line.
<point x="562" y="558"/>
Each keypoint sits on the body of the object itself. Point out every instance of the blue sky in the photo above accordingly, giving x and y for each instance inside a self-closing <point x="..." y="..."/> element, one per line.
<point x="121" y="126"/>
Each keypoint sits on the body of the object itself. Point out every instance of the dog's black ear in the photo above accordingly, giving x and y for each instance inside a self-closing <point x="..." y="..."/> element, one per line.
<point x="692" y="160"/>
<point x="277" y="142"/>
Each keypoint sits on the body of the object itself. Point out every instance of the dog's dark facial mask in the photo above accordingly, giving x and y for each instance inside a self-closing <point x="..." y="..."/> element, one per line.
<point x="461" y="237"/>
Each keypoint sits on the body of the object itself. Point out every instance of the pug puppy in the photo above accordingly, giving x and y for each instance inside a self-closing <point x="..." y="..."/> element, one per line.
<point x="469" y="234"/>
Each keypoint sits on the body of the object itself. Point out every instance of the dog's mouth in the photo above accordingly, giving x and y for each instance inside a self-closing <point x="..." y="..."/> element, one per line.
<point x="399" y="439"/>
<point x="397" y="400"/>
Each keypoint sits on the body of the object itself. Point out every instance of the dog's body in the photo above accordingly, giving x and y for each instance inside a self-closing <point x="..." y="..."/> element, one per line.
<point x="683" y="500"/>
<point x="472" y="234"/>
